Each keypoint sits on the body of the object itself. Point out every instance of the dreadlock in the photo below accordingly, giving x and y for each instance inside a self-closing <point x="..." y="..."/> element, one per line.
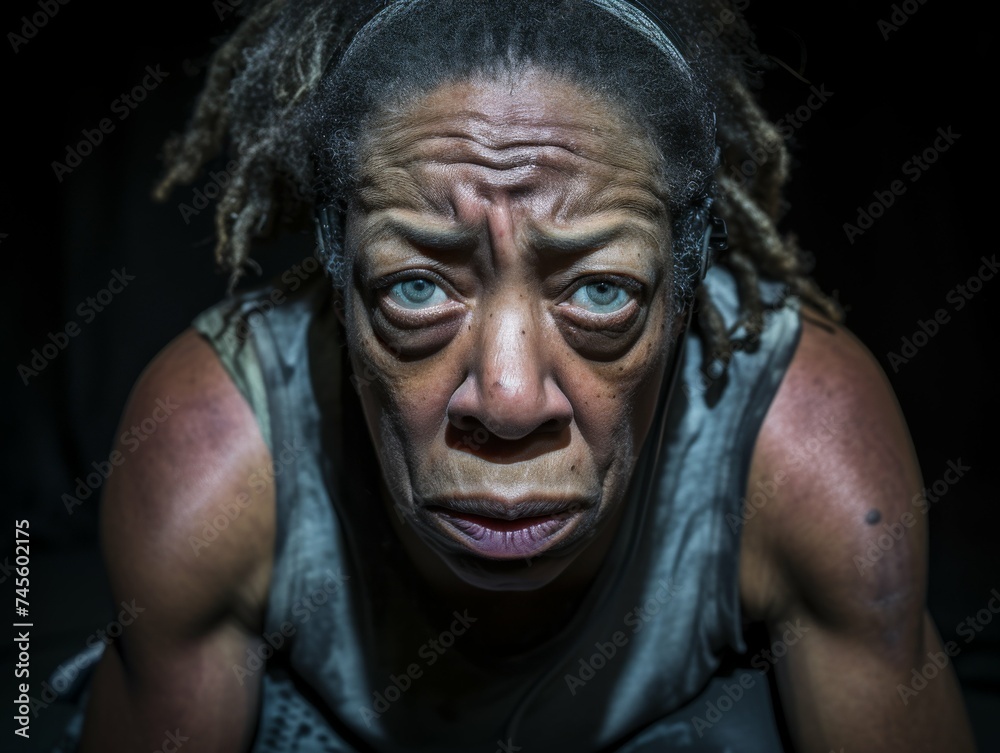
<point x="260" y="81"/>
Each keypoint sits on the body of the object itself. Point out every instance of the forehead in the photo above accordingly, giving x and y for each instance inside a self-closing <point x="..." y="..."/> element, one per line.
<point x="522" y="135"/>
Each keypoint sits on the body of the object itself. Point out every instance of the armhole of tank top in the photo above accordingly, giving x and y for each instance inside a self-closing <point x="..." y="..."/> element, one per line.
<point x="240" y="359"/>
<point x="788" y="332"/>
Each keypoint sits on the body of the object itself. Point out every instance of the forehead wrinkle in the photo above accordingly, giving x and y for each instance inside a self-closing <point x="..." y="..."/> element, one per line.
<point x="643" y="201"/>
<point x="507" y="135"/>
<point x="431" y="184"/>
<point x="462" y="141"/>
<point x="383" y="182"/>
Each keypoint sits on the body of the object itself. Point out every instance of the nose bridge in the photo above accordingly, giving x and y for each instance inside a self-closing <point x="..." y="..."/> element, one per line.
<point x="511" y="365"/>
<point x="509" y="389"/>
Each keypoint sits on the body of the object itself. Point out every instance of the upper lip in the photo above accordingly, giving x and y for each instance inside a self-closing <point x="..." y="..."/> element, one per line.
<point x="506" y="510"/>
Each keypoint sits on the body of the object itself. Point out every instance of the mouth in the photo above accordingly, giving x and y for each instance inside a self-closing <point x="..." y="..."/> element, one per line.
<point x="506" y="531"/>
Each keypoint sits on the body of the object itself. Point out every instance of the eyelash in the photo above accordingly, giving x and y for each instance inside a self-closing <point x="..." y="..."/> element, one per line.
<point x="632" y="286"/>
<point x="384" y="284"/>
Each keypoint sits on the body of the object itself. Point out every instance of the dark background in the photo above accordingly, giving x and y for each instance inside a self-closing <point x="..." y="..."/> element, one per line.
<point x="61" y="242"/>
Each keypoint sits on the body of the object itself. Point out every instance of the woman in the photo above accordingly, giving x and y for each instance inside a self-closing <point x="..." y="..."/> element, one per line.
<point x="544" y="545"/>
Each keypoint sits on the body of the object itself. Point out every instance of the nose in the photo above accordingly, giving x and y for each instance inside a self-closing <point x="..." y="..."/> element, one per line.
<point x="510" y="388"/>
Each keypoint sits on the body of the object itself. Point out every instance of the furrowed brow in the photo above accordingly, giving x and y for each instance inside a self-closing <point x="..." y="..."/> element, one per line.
<point x="441" y="237"/>
<point x="579" y="241"/>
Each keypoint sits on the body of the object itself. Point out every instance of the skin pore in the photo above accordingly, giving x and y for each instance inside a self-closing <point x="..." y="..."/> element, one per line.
<point x="510" y="293"/>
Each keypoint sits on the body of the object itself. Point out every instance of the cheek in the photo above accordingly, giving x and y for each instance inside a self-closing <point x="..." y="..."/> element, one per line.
<point x="614" y="402"/>
<point x="401" y="398"/>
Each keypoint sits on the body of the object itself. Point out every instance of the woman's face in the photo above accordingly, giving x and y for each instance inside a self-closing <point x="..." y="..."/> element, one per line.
<point x="508" y="318"/>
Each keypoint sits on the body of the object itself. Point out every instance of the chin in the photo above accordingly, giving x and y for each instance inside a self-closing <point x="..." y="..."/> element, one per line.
<point x="507" y="575"/>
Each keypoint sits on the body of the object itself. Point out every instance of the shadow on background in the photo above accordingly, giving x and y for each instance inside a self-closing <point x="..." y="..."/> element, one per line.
<point x="99" y="278"/>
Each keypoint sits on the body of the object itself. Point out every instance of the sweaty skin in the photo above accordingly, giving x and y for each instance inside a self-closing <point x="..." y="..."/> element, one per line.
<point x="510" y="298"/>
<point x="510" y="303"/>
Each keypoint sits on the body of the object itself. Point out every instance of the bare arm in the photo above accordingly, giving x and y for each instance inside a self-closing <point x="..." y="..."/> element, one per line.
<point x="836" y="440"/>
<point x="202" y="596"/>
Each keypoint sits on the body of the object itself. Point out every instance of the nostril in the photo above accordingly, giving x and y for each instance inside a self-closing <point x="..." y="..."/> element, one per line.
<point x="552" y="425"/>
<point x="495" y="449"/>
<point x="508" y="411"/>
<point x="468" y="424"/>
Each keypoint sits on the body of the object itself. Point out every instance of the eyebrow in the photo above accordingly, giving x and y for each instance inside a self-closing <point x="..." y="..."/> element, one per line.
<point x="545" y="241"/>
<point x="576" y="241"/>
<point x="441" y="237"/>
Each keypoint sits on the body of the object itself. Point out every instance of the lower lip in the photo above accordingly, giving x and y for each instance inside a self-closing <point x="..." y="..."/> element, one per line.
<point x="505" y="539"/>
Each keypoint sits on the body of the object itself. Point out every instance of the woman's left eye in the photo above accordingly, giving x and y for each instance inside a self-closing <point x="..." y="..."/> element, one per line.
<point x="600" y="297"/>
<point x="420" y="293"/>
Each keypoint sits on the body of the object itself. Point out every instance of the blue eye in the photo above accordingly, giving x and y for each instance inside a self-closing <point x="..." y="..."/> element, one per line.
<point x="601" y="297"/>
<point x="417" y="294"/>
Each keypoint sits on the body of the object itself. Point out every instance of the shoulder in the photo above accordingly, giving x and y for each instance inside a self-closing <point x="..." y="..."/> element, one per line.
<point x="180" y="523"/>
<point x="834" y="561"/>
<point x="837" y="470"/>
<point x="188" y="561"/>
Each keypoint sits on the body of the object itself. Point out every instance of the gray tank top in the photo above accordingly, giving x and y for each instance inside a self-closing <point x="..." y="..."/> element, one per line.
<point x="360" y="663"/>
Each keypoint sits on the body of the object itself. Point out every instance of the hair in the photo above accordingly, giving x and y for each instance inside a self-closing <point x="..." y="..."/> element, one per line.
<point x="284" y="98"/>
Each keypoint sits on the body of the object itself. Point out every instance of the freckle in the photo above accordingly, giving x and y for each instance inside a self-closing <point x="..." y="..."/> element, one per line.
<point x="522" y="331"/>
<point x="572" y="467"/>
<point x="873" y="517"/>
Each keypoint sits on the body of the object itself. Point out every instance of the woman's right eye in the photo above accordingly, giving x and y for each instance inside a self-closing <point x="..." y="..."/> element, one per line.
<point x="416" y="316"/>
<point x="420" y="293"/>
<point x="601" y="297"/>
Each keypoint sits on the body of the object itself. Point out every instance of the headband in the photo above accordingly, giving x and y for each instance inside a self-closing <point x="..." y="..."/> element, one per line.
<point x="635" y="16"/>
